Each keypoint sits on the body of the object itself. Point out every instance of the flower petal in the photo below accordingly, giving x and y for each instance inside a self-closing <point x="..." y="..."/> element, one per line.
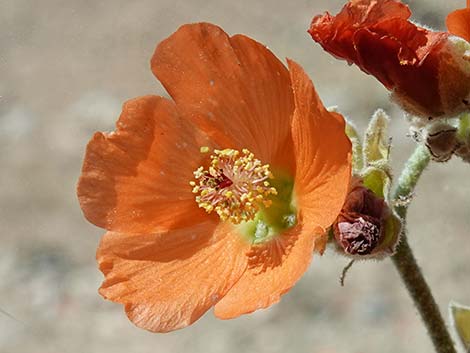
<point x="458" y="23"/>
<point x="416" y="80"/>
<point x="323" y="154"/>
<point x="167" y="281"/>
<point x="231" y="87"/>
<point x="336" y="33"/>
<point x="273" y="269"/>
<point x="136" y="179"/>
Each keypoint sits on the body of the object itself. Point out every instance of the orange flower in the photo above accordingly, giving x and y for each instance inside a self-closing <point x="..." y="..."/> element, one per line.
<point x="219" y="196"/>
<point x="427" y="72"/>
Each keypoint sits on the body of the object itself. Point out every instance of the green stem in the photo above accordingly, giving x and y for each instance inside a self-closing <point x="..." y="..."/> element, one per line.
<point x="405" y="262"/>
<point x="409" y="177"/>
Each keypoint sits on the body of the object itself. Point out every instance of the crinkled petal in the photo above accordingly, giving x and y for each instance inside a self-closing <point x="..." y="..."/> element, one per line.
<point x="167" y="281"/>
<point x="323" y="154"/>
<point x="233" y="88"/>
<point x="136" y="179"/>
<point x="335" y="33"/>
<point x="273" y="269"/>
<point x="380" y="56"/>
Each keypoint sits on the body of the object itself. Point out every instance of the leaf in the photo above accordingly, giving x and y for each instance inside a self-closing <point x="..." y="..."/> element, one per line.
<point x="460" y="318"/>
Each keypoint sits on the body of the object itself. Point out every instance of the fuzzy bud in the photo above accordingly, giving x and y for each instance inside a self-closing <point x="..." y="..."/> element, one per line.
<point x="359" y="227"/>
<point x="441" y="140"/>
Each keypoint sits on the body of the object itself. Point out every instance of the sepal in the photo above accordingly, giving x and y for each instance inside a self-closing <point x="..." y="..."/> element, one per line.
<point x="357" y="153"/>
<point x="376" y="144"/>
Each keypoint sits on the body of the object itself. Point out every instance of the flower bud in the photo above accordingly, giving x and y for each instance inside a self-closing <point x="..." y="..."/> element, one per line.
<point x="360" y="227"/>
<point x="441" y="140"/>
<point x="427" y="72"/>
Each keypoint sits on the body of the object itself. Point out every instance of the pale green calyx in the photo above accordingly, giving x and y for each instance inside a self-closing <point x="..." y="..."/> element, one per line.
<point x="376" y="145"/>
<point x="357" y="157"/>
<point x="376" y="172"/>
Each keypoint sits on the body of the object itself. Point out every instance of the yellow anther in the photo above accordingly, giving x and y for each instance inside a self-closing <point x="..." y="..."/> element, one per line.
<point x="235" y="185"/>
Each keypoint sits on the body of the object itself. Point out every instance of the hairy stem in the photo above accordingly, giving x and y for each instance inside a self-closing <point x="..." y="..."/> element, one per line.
<point x="405" y="261"/>
<point x="409" y="177"/>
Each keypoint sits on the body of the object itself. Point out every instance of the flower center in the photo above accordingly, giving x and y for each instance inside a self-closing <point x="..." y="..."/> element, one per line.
<point x="235" y="185"/>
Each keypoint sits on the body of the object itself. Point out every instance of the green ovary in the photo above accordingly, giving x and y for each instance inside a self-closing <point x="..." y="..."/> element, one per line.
<point x="279" y="216"/>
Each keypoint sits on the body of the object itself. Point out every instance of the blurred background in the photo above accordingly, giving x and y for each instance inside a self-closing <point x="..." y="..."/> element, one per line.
<point x="65" y="69"/>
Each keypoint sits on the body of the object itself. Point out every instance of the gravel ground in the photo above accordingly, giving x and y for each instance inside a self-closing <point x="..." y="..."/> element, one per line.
<point x="65" y="69"/>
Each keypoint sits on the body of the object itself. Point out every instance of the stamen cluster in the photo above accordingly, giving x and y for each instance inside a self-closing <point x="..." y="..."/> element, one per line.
<point x="235" y="185"/>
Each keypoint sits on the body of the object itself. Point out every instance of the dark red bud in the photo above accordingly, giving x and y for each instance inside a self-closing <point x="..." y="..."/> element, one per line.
<point x="359" y="227"/>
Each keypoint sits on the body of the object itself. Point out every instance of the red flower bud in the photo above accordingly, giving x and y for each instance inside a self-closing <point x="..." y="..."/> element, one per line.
<point x="427" y="72"/>
<point x="359" y="228"/>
